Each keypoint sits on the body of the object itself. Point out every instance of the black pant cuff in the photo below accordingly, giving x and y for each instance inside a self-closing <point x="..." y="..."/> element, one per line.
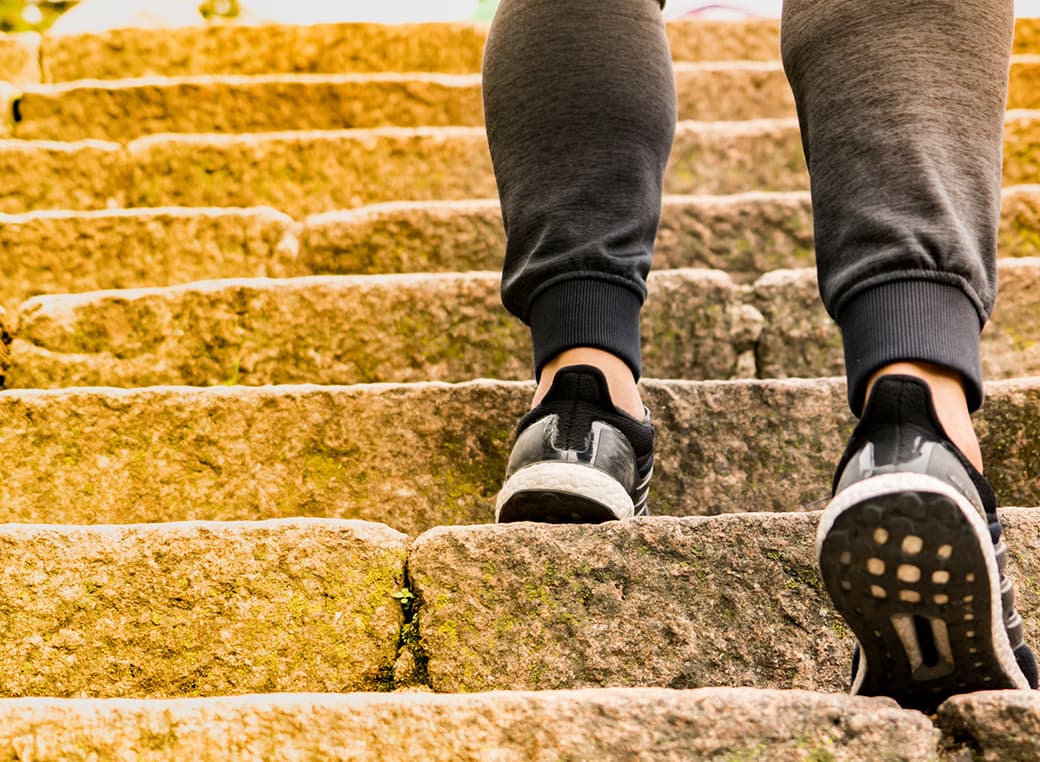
<point x="586" y="313"/>
<point x="907" y="321"/>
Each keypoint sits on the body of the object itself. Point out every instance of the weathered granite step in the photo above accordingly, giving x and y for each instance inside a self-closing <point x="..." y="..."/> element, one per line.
<point x="195" y="609"/>
<point x="996" y="726"/>
<point x="451" y="48"/>
<point x="697" y="324"/>
<point x="614" y="724"/>
<point x="58" y="252"/>
<point x="799" y="339"/>
<point x="318" y="171"/>
<point x="125" y="109"/>
<point x="678" y="603"/>
<point x="339" y="48"/>
<point x="418" y="456"/>
<point x="347" y="329"/>
<point x="63" y="251"/>
<point x="746" y="234"/>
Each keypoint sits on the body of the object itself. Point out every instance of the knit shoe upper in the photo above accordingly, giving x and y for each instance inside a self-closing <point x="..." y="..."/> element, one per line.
<point x="577" y="458"/>
<point x="911" y="552"/>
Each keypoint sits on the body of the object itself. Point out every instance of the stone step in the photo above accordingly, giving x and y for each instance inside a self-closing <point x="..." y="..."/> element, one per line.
<point x="338" y="48"/>
<point x="52" y="252"/>
<point x="61" y="251"/>
<point x="317" y="171"/>
<point x="347" y="329"/>
<point x="122" y="110"/>
<point x="697" y="324"/>
<point x="605" y="724"/>
<point x="993" y="726"/>
<point x="746" y="234"/>
<point x="192" y="609"/>
<point x="423" y="455"/>
<point x="677" y="603"/>
<point x="799" y="339"/>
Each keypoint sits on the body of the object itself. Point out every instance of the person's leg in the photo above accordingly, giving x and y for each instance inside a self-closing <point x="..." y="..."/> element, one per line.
<point x="580" y="110"/>
<point x="901" y="106"/>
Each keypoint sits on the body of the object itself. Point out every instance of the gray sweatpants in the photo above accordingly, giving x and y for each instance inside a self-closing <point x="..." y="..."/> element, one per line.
<point x="901" y="105"/>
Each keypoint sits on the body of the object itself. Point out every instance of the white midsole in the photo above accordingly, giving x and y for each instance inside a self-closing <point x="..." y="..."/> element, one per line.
<point x="889" y="484"/>
<point x="570" y="479"/>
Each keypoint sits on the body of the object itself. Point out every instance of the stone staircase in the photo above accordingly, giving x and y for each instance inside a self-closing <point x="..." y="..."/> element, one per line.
<point x="250" y="449"/>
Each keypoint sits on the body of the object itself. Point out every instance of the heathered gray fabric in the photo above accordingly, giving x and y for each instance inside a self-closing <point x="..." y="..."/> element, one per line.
<point x="581" y="109"/>
<point x="901" y="104"/>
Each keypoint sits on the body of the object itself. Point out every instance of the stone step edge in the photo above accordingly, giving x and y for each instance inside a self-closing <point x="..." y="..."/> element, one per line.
<point x="744" y="89"/>
<point x="33" y="57"/>
<point x="746" y="234"/>
<point x="611" y="722"/>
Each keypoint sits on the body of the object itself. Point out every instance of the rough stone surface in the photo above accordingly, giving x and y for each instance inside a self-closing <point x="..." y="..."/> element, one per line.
<point x="679" y="603"/>
<point x="6" y="337"/>
<point x="733" y="157"/>
<point x="304" y="173"/>
<point x="799" y="339"/>
<point x="338" y="48"/>
<point x="264" y="49"/>
<point x="84" y="175"/>
<point x="128" y="109"/>
<point x="696" y="40"/>
<point x="115" y="456"/>
<point x="711" y="724"/>
<point x="69" y="252"/>
<point x="1020" y="222"/>
<point x="196" y="609"/>
<point x="745" y="234"/>
<point x="337" y="330"/>
<point x="20" y="58"/>
<point x="312" y="172"/>
<point x="994" y="726"/>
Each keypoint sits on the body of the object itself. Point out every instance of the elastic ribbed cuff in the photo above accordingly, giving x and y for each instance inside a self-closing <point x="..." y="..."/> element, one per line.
<point x="906" y="321"/>
<point x="586" y="313"/>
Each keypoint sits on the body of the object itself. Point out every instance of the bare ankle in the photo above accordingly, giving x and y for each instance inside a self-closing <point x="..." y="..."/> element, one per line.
<point x="951" y="405"/>
<point x="620" y="381"/>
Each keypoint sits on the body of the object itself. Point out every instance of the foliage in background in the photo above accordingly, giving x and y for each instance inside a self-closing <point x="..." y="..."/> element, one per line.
<point x="13" y="16"/>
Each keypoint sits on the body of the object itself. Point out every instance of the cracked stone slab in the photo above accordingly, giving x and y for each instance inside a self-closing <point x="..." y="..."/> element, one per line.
<point x="54" y="252"/>
<point x="711" y="724"/>
<point x="992" y="726"/>
<point x="660" y="602"/>
<point x="199" y="608"/>
<point x="235" y="453"/>
<point x="341" y="330"/>
<point x="800" y="340"/>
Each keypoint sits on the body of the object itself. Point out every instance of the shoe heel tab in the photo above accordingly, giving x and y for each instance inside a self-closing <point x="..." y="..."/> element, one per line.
<point x="901" y="399"/>
<point x="580" y="382"/>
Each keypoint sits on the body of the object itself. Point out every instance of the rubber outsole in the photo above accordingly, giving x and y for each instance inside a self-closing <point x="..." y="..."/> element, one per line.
<point x="562" y="493"/>
<point x="910" y="566"/>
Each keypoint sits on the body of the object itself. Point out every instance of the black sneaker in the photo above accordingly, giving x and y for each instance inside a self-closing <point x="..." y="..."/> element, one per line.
<point x="577" y="458"/>
<point x="910" y="551"/>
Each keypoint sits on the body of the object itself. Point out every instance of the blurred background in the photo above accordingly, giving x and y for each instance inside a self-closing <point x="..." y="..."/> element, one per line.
<point x="40" y="15"/>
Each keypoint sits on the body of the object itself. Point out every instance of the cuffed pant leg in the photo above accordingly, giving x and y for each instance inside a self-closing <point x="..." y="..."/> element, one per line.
<point x="901" y="105"/>
<point x="580" y="107"/>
